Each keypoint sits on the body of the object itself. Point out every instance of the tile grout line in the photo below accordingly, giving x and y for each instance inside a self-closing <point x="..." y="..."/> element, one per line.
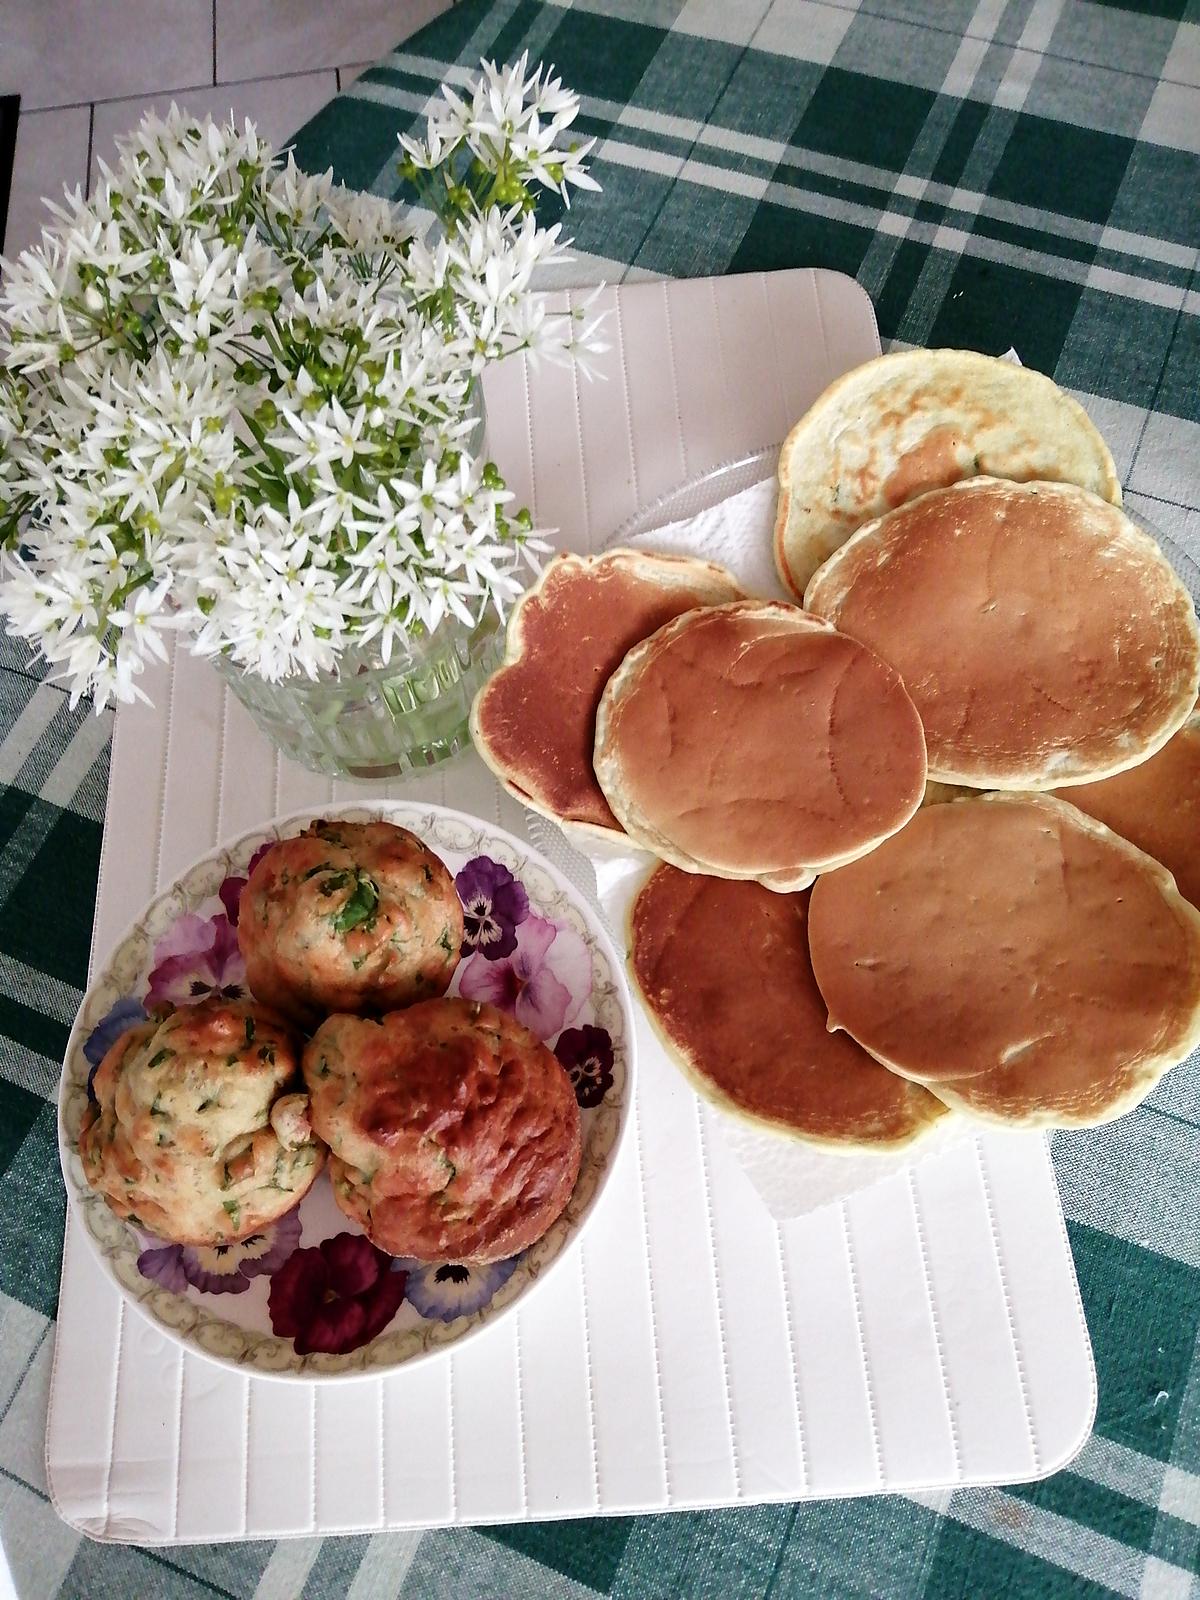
<point x="87" y="174"/>
<point x="180" y="88"/>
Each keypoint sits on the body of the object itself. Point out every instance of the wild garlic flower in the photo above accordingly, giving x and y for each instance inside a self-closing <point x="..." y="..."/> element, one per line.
<point x="240" y="401"/>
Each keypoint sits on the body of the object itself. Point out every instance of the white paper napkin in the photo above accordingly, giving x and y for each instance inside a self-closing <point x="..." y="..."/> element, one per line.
<point x="792" y="1178"/>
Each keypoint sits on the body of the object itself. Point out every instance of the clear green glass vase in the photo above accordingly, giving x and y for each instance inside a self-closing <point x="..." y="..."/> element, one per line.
<point x="372" y="721"/>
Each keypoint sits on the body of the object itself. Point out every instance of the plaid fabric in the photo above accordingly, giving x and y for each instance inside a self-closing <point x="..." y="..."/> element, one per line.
<point x="1010" y="172"/>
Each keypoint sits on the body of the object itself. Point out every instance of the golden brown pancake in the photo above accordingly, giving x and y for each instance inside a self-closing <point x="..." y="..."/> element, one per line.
<point x="533" y="722"/>
<point x="919" y="420"/>
<point x="754" y="741"/>
<point x="724" y="972"/>
<point x="1016" y="957"/>
<point x="1156" y="806"/>
<point x="1043" y="637"/>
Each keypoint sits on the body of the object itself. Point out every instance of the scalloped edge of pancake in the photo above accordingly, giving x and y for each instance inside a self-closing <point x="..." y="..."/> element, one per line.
<point x="645" y="563"/>
<point x="1157" y="1066"/>
<point x="829" y="577"/>
<point x="826" y="405"/>
<point x="606" y="762"/>
<point x="715" y="1096"/>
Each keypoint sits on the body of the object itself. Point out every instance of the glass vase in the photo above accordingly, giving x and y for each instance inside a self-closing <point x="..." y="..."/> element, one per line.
<point x="372" y="721"/>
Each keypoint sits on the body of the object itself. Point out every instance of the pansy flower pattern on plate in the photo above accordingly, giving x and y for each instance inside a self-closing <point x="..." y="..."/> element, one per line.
<point x="126" y="1013"/>
<point x="336" y="1297"/>
<point x="222" y="1268"/>
<point x="587" y="1056"/>
<point x="455" y="1288"/>
<point x="494" y="904"/>
<point x="197" y="959"/>
<point x="544" y="983"/>
<point x="313" y="1296"/>
<point x="230" y="892"/>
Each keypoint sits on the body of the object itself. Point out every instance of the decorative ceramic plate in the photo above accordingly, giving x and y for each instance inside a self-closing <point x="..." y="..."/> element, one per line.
<point x="560" y="976"/>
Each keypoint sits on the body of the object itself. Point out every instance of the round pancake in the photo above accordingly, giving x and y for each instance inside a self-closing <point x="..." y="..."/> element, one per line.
<point x="533" y="722"/>
<point x="919" y="420"/>
<point x="1156" y="806"/>
<point x="1014" y="955"/>
<point x="1044" y="638"/>
<point x="724" y="972"/>
<point x="754" y="741"/>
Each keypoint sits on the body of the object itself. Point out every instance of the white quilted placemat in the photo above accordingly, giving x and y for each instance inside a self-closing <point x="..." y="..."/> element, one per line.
<point x="695" y="1351"/>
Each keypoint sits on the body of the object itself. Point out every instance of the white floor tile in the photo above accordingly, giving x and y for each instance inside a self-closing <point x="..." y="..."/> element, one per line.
<point x="60" y="52"/>
<point x="52" y="151"/>
<point x="255" y="37"/>
<point x="277" y="106"/>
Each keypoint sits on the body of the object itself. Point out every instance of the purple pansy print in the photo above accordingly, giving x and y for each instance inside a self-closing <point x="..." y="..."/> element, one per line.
<point x="494" y="904"/>
<point x="197" y="958"/>
<point x="587" y="1055"/>
<point x="453" y="1288"/>
<point x="125" y="1014"/>
<point x="231" y="890"/>
<point x="222" y="1268"/>
<point x="335" y="1297"/>
<point x="544" y="983"/>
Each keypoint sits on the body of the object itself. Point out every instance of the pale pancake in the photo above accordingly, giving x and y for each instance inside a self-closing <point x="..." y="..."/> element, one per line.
<point x="919" y="420"/>
<point x="1043" y="637"/>
<point x="724" y="973"/>
<point x="754" y="741"/>
<point x="1156" y="806"/>
<point x="533" y="722"/>
<point x="1014" y="955"/>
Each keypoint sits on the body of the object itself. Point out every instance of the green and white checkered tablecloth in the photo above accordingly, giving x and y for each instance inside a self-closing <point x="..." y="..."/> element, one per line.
<point x="1021" y="172"/>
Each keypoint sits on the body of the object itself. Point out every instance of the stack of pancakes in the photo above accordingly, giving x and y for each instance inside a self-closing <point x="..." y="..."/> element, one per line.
<point x="824" y="949"/>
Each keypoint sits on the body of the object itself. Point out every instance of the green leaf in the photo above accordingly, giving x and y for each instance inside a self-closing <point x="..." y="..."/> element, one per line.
<point x="359" y="910"/>
<point x="157" y="1060"/>
<point x="249" y="1030"/>
<point x="232" y="1209"/>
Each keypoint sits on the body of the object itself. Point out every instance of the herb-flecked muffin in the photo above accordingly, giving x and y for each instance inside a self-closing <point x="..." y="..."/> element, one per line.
<point x="199" y="1130"/>
<point x="454" y="1132"/>
<point x="349" y="916"/>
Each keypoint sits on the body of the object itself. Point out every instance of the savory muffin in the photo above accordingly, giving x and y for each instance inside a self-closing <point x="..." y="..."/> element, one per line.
<point x="454" y="1131"/>
<point x="199" y="1129"/>
<point x="349" y="916"/>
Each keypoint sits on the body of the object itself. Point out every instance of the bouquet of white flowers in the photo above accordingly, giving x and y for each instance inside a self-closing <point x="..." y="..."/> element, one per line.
<point x="241" y="401"/>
